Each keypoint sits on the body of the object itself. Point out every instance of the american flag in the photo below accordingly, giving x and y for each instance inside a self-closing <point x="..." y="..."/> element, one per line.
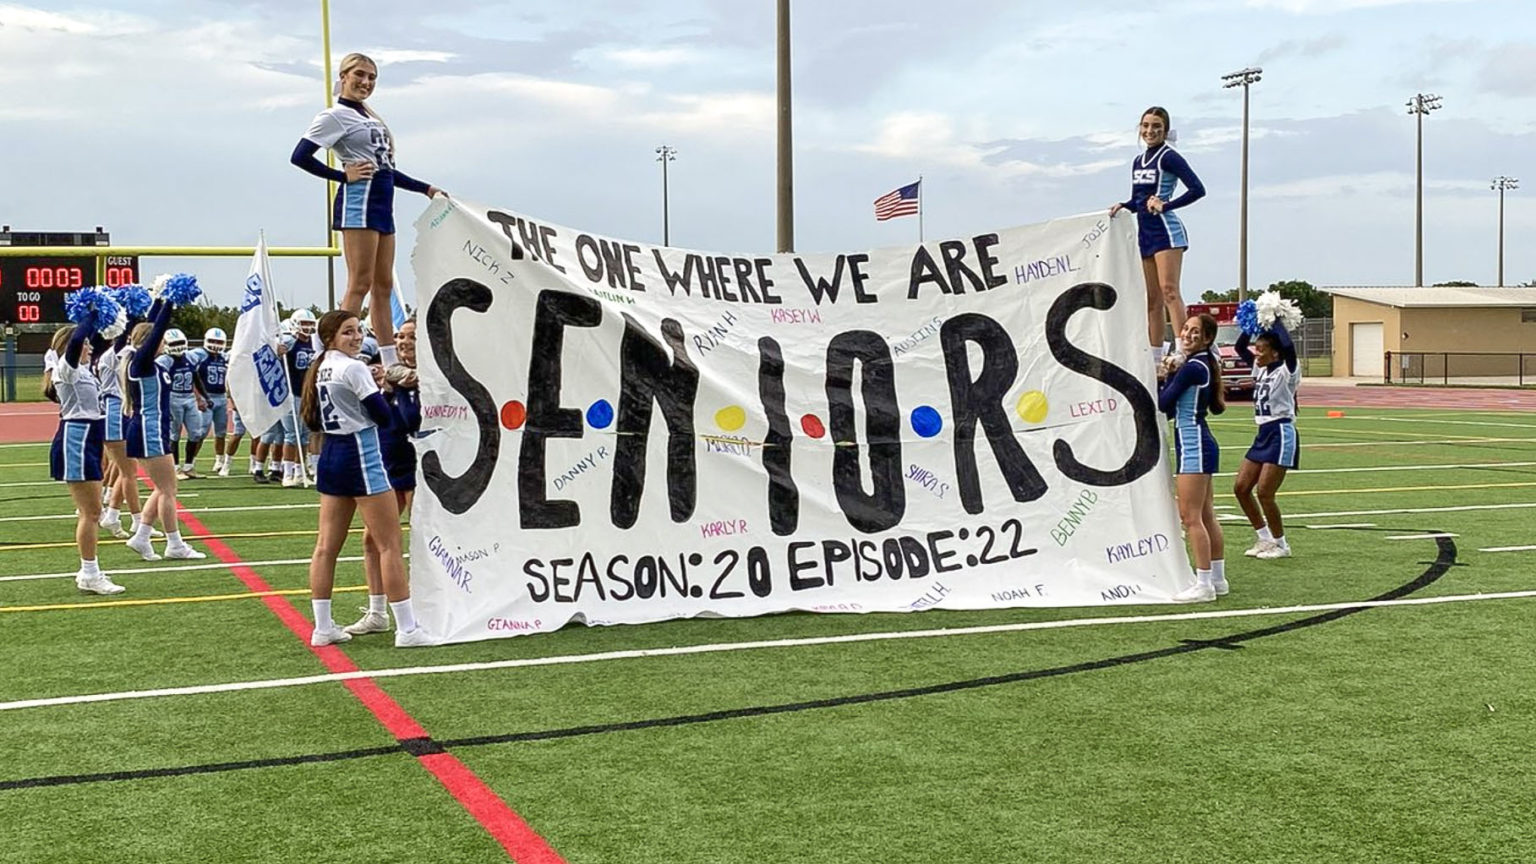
<point x="901" y="202"/>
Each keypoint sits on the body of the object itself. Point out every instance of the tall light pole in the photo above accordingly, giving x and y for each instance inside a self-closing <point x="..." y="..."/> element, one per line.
<point x="1243" y="78"/>
<point x="1419" y="105"/>
<point x="786" y="182"/>
<point x="665" y="154"/>
<point x="1501" y="184"/>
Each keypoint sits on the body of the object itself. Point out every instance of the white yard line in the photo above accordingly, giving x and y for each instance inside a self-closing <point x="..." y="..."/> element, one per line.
<point x="1458" y="509"/>
<point x="721" y="647"/>
<point x="308" y="506"/>
<point x="1421" y="536"/>
<point x="1508" y="549"/>
<point x="184" y="568"/>
<point x="1399" y="468"/>
<point x="1341" y="525"/>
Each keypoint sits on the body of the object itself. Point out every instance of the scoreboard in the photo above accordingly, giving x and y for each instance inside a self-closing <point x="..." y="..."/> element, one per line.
<point x="33" y="287"/>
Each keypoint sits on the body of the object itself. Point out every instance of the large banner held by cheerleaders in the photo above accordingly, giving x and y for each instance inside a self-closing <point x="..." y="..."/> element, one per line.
<point x="621" y="433"/>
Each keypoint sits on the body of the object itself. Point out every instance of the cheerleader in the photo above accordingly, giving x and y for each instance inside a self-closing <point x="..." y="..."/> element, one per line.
<point x="364" y="205"/>
<point x="148" y="387"/>
<point x="1276" y="448"/>
<point x="122" y="474"/>
<point x="399" y="386"/>
<point x="76" y="455"/>
<point x="1154" y="176"/>
<point x="341" y="400"/>
<point x="1189" y="394"/>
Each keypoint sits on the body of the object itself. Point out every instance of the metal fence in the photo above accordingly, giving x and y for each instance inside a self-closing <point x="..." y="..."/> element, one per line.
<point x="1459" y="367"/>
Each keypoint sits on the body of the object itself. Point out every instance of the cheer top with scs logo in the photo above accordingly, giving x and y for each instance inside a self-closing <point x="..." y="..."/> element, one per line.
<point x="1158" y="172"/>
<point x="355" y="135"/>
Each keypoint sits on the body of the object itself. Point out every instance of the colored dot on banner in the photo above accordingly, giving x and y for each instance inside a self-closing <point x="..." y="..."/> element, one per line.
<point x="731" y="418"/>
<point x="513" y="414"/>
<point x="926" y="421"/>
<point x="600" y="415"/>
<point x="1033" y="406"/>
<point x="812" y="426"/>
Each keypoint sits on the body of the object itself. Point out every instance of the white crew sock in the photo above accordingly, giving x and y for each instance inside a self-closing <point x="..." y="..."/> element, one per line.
<point x="89" y="567"/>
<point x="387" y="355"/>
<point x="173" y="540"/>
<point x="1265" y="535"/>
<point x="255" y="466"/>
<point x="1203" y="576"/>
<point x="1218" y="569"/>
<point x="1281" y="540"/>
<point x="111" y="514"/>
<point x="141" y="530"/>
<point x="378" y="603"/>
<point x="289" y="469"/>
<point x="405" y="615"/>
<point x="322" y="614"/>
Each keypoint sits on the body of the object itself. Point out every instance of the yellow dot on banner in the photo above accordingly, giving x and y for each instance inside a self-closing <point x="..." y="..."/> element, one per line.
<point x="731" y="418"/>
<point x="1033" y="406"/>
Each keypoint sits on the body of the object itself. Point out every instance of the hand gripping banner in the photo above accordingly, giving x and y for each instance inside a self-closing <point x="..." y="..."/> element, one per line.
<point x="615" y="432"/>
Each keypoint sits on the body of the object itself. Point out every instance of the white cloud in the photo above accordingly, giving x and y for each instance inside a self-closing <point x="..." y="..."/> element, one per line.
<point x="385" y="56"/>
<point x="650" y="58"/>
<point x="1327" y="7"/>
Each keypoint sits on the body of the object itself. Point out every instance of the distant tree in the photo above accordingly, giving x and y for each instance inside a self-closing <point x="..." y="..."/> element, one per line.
<point x="1455" y="283"/>
<point x="1227" y="296"/>
<point x="195" y="319"/>
<point x="1313" y="303"/>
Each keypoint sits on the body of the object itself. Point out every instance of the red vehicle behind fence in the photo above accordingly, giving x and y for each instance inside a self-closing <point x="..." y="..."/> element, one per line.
<point x="1236" y="376"/>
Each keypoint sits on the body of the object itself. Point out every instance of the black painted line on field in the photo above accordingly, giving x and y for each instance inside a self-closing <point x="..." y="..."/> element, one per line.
<point x="421" y="746"/>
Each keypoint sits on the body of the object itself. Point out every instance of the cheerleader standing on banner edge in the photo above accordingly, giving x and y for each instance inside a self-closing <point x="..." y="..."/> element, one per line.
<point x="1160" y="233"/>
<point x="363" y="210"/>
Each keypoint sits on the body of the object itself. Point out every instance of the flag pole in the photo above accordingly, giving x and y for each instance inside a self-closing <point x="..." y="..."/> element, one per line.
<point x="920" y="209"/>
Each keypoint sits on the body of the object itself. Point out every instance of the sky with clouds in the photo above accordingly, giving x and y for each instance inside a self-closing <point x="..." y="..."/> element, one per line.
<point x="170" y="121"/>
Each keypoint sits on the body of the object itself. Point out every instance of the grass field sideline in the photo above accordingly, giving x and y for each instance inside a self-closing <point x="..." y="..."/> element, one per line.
<point x="1391" y="734"/>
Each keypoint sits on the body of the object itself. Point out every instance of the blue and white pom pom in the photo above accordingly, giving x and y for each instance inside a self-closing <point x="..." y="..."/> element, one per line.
<point x="134" y="299"/>
<point x="118" y="325"/>
<point x="92" y="309"/>
<point x="1248" y="318"/>
<point x="181" y="289"/>
<point x="157" y="287"/>
<point x="1271" y="307"/>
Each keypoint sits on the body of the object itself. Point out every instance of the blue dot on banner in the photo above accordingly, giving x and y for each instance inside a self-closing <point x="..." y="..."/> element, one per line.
<point x="926" y="421"/>
<point x="600" y="415"/>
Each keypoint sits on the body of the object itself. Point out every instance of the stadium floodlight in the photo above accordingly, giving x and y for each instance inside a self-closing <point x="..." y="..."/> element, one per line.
<point x="1243" y="78"/>
<point x="665" y="154"/>
<point x="1419" y="105"/>
<point x="1502" y="184"/>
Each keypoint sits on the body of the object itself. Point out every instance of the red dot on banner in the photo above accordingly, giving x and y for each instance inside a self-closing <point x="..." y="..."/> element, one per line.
<point x="812" y="426"/>
<point x="513" y="414"/>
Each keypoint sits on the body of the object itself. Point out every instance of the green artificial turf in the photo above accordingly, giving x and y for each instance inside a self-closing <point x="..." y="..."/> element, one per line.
<point x="1393" y="734"/>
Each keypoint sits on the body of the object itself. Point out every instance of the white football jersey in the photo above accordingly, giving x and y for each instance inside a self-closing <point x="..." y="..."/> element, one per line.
<point x="1274" y="392"/>
<point x="343" y="383"/>
<point x="352" y="137"/>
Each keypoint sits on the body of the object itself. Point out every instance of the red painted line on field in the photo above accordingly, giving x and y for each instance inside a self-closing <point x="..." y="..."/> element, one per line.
<point x="521" y="842"/>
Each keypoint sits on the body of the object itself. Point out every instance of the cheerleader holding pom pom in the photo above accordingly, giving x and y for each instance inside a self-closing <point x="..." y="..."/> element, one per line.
<point x="1267" y="322"/>
<point x="76" y="455"/>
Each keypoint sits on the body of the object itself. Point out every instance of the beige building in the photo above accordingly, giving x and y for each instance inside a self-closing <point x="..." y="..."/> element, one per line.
<point x="1435" y="333"/>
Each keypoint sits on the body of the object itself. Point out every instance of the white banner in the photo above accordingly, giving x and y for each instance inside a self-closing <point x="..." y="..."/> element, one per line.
<point x="628" y="433"/>
<point x="258" y="378"/>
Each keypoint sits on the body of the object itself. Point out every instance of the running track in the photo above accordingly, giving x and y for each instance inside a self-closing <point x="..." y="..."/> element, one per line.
<point x="36" y="421"/>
